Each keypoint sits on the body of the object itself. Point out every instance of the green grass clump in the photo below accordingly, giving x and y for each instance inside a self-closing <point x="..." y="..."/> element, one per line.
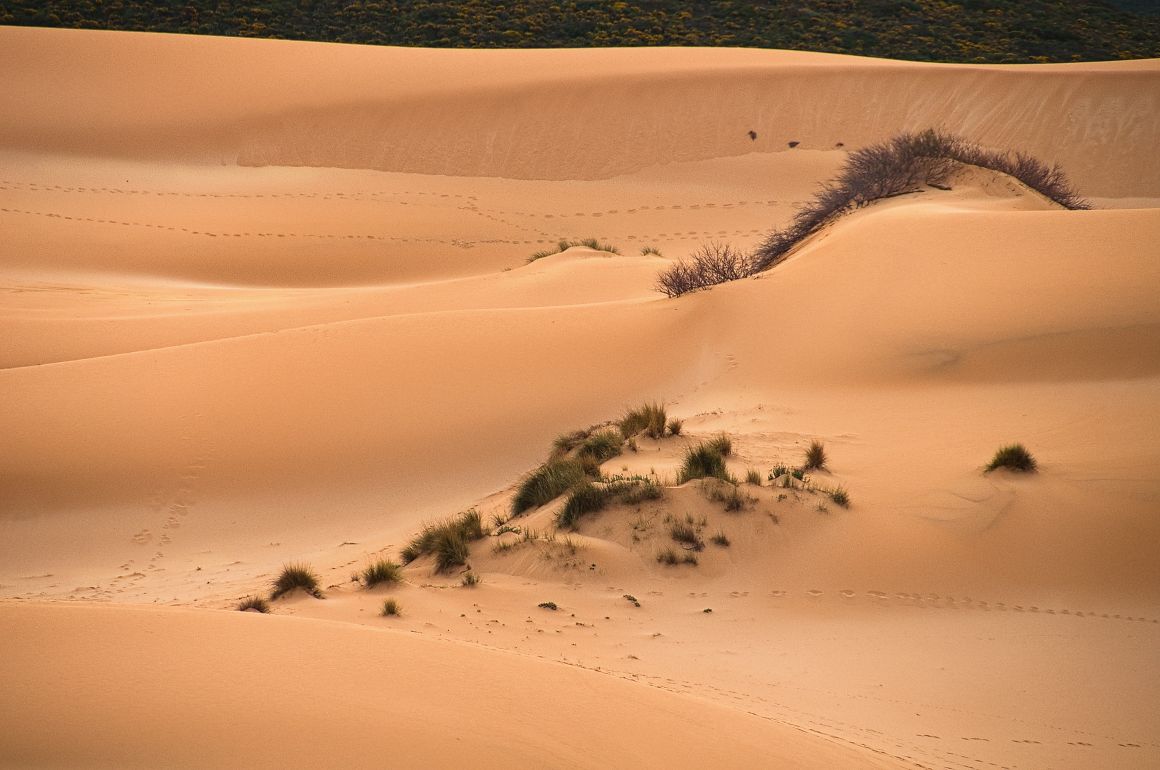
<point x="647" y="250"/>
<point x="720" y="539"/>
<point x="583" y="499"/>
<point x="670" y="557"/>
<point x="602" y="446"/>
<point x="449" y="540"/>
<point x="256" y="603"/>
<point x="721" y="444"/>
<point x="675" y="426"/>
<point x="564" y="244"/>
<point x="548" y="482"/>
<point x="753" y="476"/>
<point x="1014" y="457"/>
<point x="702" y="461"/>
<point x="649" y="418"/>
<point x="392" y="608"/>
<point x="296" y="576"/>
<point x="815" y="456"/>
<point x="840" y="497"/>
<point x="637" y="492"/>
<point x="566" y="442"/>
<point x="381" y="571"/>
<point x="686" y="534"/>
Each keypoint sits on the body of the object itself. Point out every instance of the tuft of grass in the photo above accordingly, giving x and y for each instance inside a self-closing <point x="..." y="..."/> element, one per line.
<point x="547" y="482"/>
<point x="649" y="418"/>
<point x="381" y="571"/>
<point x="391" y="608"/>
<point x="564" y="244"/>
<point x="256" y="603"/>
<point x="733" y="499"/>
<point x="548" y="606"/>
<point x="583" y="499"/>
<point x="686" y="534"/>
<point x="721" y="443"/>
<point x="840" y="497"/>
<point x="296" y="576"/>
<point x="702" y="461"/>
<point x="448" y="540"/>
<point x="647" y="250"/>
<point x="637" y="493"/>
<point x="470" y="579"/>
<point x="815" y="456"/>
<point x="721" y="539"/>
<point x="670" y="557"/>
<point x="753" y="476"/>
<point x="566" y="442"/>
<point x="603" y="445"/>
<point x="1014" y="457"/>
<point x="675" y="426"/>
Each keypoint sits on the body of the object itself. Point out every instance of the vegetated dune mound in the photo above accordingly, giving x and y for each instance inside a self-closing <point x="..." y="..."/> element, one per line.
<point x="513" y="114"/>
<point x="338" y="694"/>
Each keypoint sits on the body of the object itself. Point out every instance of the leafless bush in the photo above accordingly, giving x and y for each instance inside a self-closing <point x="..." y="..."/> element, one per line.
<point x="711" y="264"/>
<point x="898" y="166"/>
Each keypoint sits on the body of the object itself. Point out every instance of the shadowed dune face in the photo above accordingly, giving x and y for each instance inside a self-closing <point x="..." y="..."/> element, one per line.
<point x="268" y="303"/>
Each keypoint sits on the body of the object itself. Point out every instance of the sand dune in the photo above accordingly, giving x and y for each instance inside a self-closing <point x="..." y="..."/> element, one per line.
<point x="287" y="314"/>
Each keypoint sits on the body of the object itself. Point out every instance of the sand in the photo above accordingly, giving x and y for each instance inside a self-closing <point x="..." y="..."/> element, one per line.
<point x="266" y="301"/>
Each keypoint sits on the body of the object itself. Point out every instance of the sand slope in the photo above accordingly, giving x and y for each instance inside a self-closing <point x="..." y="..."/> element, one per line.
<point x="286" y="314"/>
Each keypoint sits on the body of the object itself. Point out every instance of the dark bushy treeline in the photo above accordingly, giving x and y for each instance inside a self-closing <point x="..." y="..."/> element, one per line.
<point x="898" y="166"/>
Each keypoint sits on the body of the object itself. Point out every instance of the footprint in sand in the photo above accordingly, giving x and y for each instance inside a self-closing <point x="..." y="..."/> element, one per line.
<point x="847" y="594"/>
<point x="814" y="593"/>
<point x="142" y="537"/>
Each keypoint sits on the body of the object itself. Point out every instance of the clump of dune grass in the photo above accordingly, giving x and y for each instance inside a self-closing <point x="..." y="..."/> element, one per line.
<point x="564" y="244"/>
<point x="1013" y="457"/>
<point x="675" y="426"/>
<point x="730" y="494"/>
<point x="647" y="418"/>
<point x="670" y="557"/>
<point x="296" y="576"/>
<point x="588" y="497"/>
<point x="602" y="445"/>
<point x="721" y="443"/>
<point x="566" y="442"/>
<point x="392" y="608"/>
<point x="686" y="534"/>
<point x="815" y="458"/>
<point x="721" y="539"/>
<point x="840" y="497"/>
<point x="449" y="540"/>
<point x="703" y="461"/>
<point x="381" y="571"/>
<point x="548" y="482"/>
<point x="470" y="579"/>
<point x="255" y="603"/>
<point x="647" y="250"/>
<point x="753" y="476"/>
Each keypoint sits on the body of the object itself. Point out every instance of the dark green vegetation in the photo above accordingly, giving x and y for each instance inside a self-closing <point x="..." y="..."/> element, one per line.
<point x="391" y="608"/>
<point x="255" y="603"/>
<point x="670" y="557"/>
<point x="647" y="418"/>
<point x="925" y="30"/>
<point x="704" y="460"/>
<point x="1013" y="457"/>
<point x="450" y="540"/>
<point x="840" y="497"/>
<point x="381" y="571"/>
<point x="815" y="458"/>
<point x="296" y="576"/>
<point x="548" y="482"/>
<point x="589" y="498"/>
<point x="905" y="164"/>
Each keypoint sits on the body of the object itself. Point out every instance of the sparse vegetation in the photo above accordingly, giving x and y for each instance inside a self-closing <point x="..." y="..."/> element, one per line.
<point x="1014" y="457"/>
<point x="381" y="571"/>
<point x="815" y="458"/>
<point x="651" y="250"/>
<point x="840" y="497"/>
<point x="753" y="476"/>
<point x="686" y="534"/>
<point x="603" y="445"/>
<point x="670" y="557"/>
<point x="449" y="540"/>
<point x="728" y="493"/>
<point x="564" y="244"/>
<point x="675" y="426"/>
<point x="392" y="608"/>
<point x="703" y="460"/>
<point x="721" y="443"/>
<point x="647" y="418"/>
<point x="903" y="164"/>
<point x="296" y="576"/>
<point x="721" y="539"/>
<point x="255" y="603"/>
<point x="588" y="498"/>
<point x="470" y="579"/>
<point x="548" y="482"/>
